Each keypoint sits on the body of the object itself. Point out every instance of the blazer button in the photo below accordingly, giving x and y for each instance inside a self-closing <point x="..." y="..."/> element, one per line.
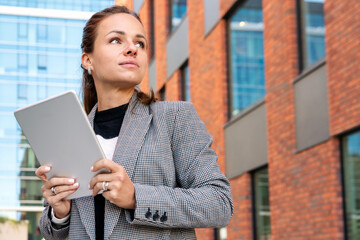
<point x="148" y="214"/>
<point x="163" y="218"/>
<point x="156" y="215"/>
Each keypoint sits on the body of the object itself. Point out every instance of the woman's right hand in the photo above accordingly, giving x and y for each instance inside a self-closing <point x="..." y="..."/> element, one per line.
<point x="63" y="187"/>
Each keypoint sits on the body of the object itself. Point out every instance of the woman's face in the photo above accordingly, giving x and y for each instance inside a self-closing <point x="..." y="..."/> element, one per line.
<point x="119" y="57"/>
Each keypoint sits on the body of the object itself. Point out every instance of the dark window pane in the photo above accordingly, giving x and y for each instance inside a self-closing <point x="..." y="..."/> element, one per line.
<point x="186" y="82"/>
<point x="262" y="206"/>
<point x="351" y="158"/>
<point x="247" y="56"/>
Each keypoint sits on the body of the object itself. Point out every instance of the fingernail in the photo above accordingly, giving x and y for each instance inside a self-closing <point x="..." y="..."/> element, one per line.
<point x="47" y="168"/>
<point x="71" y="180"/>
<point x="91" y="168"/>
<point x="76" y="184"/>
<point x="89" y="186"/>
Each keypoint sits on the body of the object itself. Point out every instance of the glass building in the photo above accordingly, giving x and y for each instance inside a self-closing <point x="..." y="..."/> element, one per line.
<point x="247" y="56"/>
<point x="39" y="57"/>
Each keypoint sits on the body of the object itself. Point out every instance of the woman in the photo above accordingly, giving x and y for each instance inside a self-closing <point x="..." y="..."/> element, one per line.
<point x="163" y="179"/>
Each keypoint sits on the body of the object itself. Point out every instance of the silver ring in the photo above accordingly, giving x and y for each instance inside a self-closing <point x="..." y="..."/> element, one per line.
<point x="53" y="190"/>
<point x="105" y="185"/>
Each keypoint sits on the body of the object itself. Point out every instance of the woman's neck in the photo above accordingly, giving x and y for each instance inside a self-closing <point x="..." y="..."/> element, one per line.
<point x="113" y="98"/>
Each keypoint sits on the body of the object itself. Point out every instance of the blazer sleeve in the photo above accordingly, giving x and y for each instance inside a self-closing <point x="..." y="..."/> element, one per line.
<point x="203" y="198"/>
<point x="47" y="229"/>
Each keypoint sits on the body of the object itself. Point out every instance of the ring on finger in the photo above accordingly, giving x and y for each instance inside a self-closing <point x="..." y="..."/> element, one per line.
<point x="53" y="190"/>
<point x="105" y="185"/>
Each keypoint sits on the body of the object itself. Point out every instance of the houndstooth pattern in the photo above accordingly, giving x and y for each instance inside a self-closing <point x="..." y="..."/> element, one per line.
<point x="167" y="153"/>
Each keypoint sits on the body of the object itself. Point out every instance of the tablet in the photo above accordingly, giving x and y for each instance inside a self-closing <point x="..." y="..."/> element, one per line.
<point x="60" y="135"/>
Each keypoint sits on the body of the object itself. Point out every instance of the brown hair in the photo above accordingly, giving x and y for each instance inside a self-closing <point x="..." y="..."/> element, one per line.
<point x="87" y="46"/>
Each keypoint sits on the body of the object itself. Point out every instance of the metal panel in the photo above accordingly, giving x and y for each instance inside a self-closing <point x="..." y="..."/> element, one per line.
<point x="246" y="142"/>
<point x="137" y="5"/>
<point x="311" y="109"/>
<point x="177" y="48"/>
<point x="211" y="14"/>
<point x="152" y="75"/>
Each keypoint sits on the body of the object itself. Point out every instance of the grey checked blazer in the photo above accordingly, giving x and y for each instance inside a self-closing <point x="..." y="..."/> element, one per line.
<point x="167" y="153"/>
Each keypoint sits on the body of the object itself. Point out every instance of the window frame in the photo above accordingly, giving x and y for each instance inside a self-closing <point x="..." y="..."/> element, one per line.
<point x="172" y="29"/>
<point x="301" y="38"/>
<point x="343" y="183"/>
<point x="253" y="200"/>
<point x="227" y="17"/>
<point x="183" y="74"/>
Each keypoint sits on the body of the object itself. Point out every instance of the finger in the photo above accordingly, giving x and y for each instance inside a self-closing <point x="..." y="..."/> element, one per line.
<point x="100" y="178"/>
<point x="54" y="200"/>
<point x="108" y="195"/>
<point x="59" y="181"/>
<point x="41" y="171"/>
<point x="99" y="187"/>
<point x="64" y="188"/>
<point x="104" y="163"/>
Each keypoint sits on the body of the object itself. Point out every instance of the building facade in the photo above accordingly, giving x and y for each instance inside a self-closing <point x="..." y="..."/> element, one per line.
<point x="39" y="57"/>
<point x="277" y="85"/>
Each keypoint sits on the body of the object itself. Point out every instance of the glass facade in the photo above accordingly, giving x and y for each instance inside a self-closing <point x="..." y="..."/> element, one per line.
<point x="313" y="31"/>
<point x="39" y="57"/>
<point x="246" y="56"/>
<point x="351" y="163"/>
<point x="262" y="205"/>
<point x="178" y="11"/>
<point x="73" y="5"/>
<point x="185" y="82"/>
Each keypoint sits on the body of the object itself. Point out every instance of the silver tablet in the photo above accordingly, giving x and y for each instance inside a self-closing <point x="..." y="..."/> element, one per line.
<point x="60" y="135"/>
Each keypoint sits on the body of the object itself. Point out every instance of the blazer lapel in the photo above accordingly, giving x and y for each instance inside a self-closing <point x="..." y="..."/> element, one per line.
<point x="132" y="133"/>
<point x="87" y="214"/>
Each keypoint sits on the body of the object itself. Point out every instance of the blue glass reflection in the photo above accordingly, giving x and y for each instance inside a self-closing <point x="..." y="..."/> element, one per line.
<point x="178" y="11"/>
<point x="247" y="56"/>
<point x="314" y="31"/>
<point x="83" y="5"/>
<point x="351" y="157"/>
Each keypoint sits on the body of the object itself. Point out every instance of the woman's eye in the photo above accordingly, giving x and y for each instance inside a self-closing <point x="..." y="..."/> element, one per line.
<point x="115" y="41"/>
<point x="140" y="44"/>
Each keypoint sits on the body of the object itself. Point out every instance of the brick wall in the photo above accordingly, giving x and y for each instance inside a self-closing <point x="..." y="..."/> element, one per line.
<point x="305" y="188"/>
<point x="343" y="55"/>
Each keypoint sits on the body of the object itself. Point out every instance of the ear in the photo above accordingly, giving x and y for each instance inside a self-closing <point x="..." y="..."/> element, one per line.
<point x="85" y="60"/>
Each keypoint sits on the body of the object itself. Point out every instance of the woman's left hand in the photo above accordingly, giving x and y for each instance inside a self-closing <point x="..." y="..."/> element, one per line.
<point x="120" y="190"/>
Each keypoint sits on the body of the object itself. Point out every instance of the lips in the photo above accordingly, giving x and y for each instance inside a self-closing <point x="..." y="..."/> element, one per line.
<point x="129" y="63"/>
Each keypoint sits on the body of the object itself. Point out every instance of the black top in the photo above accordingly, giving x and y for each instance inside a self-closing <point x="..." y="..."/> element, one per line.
<point x="107" y="124"/>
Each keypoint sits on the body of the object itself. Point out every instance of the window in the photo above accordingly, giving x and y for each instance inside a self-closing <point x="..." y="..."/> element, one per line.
<point x="312" y="30"/>
<point x="22" y="91"/>
<point x="42" y="32"/>
<point x="177" y="12"/>
<point x="162" y="94"/>
<point x="261" y="205"/>
<point x="22" y="62"/>
<point x="22" y="30"/>
<point x="351" y="166"/>
<point x="185" y="82"/>
<point x="42" y="63"/>
<point x="247" y="78"/>
<point x="152" y="30"/>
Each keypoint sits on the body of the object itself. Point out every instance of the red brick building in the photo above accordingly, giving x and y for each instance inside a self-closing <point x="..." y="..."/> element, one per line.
<point x="277" y="84"/>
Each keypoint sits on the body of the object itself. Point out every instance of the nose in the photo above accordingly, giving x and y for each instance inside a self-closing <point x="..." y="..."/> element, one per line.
<point x="131" y="50"/>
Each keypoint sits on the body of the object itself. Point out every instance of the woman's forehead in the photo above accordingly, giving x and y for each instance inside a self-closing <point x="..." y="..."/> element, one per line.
<point x="121" y="22"/>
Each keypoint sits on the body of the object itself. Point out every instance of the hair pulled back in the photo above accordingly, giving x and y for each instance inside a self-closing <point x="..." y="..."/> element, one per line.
<point x="87" y="46"/>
